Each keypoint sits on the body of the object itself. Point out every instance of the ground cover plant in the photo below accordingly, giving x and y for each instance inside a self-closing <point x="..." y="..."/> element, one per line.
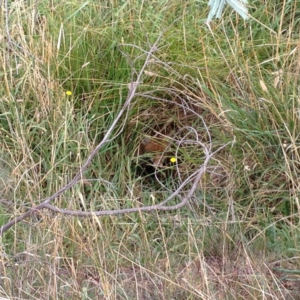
<point x="66" y="69"/>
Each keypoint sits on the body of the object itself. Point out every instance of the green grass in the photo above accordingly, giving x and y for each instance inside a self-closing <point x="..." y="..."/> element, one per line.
<point x="238" y="238"/>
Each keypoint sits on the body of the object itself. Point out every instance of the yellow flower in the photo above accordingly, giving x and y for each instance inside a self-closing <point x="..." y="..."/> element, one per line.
<point x="68" y="93"/>
<point x="173" y="159"/>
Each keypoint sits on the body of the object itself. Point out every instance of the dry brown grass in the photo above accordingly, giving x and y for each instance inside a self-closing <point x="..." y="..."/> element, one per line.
<point x="239" y="236"/>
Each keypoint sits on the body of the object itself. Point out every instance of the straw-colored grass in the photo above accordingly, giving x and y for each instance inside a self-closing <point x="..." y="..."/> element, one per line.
<point x="238" y="237"/>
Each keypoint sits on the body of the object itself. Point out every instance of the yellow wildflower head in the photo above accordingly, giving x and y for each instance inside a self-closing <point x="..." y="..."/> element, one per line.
<point x="173" y="160"/>
<point x="68" y="93"/>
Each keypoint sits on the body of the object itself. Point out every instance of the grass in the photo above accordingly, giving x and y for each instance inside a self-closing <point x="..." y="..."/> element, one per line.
<point x="238" y="238"/>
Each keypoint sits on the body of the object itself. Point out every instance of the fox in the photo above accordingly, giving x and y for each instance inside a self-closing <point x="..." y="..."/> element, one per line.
<point x="155" y="158"/>
<point x="156" y="148"/>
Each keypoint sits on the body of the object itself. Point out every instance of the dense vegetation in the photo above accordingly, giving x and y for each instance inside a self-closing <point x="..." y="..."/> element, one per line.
<point x="233" y="87"/>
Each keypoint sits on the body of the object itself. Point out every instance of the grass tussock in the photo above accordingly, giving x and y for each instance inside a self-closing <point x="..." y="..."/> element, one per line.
<point x="233" y="86"/>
